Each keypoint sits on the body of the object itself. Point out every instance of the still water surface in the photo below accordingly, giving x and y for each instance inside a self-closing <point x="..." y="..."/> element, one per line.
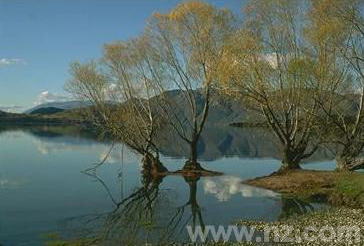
<point x="45" y="193"/>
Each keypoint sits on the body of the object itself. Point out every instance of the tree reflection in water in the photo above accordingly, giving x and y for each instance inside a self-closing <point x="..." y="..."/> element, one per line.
<point x="294" y="207"/>
<point x="134" y="218"/>
<point x="148" y="215"/>
<point x="196" y="210"/>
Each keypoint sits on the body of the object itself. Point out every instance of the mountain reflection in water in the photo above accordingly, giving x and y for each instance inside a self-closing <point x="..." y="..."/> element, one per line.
<point x="44" y="166"/>
<point x="216" y="142"/>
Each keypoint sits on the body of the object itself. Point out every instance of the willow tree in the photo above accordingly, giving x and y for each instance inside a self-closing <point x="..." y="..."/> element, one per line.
<point x="188" y="45"/>
<point x="271" y="69"/>
<point x="338" y="28"/>
<point x="135" y="75"/>
<point x="119" y="90"/>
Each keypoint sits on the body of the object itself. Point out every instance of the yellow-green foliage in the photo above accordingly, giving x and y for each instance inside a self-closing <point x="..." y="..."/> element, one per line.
<point x="350" y="189"/>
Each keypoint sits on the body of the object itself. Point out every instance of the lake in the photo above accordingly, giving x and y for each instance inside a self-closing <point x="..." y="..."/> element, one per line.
<point x="46" y="193"/>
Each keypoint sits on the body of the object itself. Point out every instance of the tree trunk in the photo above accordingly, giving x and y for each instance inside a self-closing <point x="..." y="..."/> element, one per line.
<point x="344" y="163"/>
<point x="152" y="165"/>
<point x="192" y="163"/>
<point x="193" y="147"/>
<point x="290" y="161"/>
<point x="341" y="163"/>
<point x="349" y="159"/>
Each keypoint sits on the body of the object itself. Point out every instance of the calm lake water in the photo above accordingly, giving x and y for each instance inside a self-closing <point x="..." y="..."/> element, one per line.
<point x="45" y="193"/>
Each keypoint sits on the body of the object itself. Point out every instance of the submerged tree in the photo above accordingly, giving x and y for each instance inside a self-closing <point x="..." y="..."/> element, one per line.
<point x="271" y="69"/>
<point x="131" y="69"/>
<point x="120" y="96"/>
<point x="338" y="29"/>
<point x="188" y="45"/>
<point x="179" y="51"/>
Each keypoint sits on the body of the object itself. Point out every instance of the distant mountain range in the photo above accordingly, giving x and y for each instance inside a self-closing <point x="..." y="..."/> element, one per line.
<point x="2" y="113"/>
<point x="48" y="110"/>
<point x="223" y="110"/>
<point x="59" y="105"/>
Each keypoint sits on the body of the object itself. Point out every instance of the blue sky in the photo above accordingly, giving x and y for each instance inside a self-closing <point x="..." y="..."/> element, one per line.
<point x="39" y="38"/>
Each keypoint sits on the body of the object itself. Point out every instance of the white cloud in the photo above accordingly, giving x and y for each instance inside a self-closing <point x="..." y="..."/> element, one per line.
<point x="11" y="108"/>
<point x="63" y="143"/>
<point x="223" y="188"/>
<point x="6" y="184"/>
<point x="10" y="61"/>
<point x="271" y="59"/>
<point x="48" y="97"/>
<point x="113" y="93"/>
<point x="117" y="155"/>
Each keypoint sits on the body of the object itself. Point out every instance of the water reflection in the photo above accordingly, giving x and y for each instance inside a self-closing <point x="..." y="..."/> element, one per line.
<point x="294" y="207"/>
<point x="226" y="186"/>
<point x="134" y="217"/>
<point x="196" y="218"/>
<point x="148" y="215"/>
<point x="151" y="215"/>
<point x="123" y="205"/>
<point x="6" y="184"/>
<point x="216" y="142"/>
